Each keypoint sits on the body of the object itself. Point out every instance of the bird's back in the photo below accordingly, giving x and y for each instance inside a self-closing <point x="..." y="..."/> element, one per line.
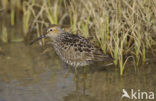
<point x="75" y="50"/>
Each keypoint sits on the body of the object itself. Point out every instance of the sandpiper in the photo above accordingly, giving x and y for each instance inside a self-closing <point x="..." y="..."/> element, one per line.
<point x="74" y="50"/>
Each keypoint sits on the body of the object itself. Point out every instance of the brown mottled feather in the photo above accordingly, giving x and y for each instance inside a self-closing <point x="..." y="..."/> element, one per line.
<point x="73" y="49"/>
<point x="76" y="50"/>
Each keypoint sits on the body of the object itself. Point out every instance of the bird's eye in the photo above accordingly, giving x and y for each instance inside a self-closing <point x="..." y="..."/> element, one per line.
<point x="51" y="30"/>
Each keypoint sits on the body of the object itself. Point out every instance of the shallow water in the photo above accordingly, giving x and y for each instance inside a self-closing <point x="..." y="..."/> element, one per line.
<point x="35" y="73"/>
<point x="29" y="73"/>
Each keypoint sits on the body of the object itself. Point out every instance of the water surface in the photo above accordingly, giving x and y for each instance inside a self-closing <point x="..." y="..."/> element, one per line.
<point x="33" y="73"/>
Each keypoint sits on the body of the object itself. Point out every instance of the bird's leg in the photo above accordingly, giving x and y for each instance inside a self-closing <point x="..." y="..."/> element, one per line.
<point x="85" y="69"/>
<point x="84" y="74"/>
<point x="76" y="79"/>
<point x="65" y="66"/>
<point x="66" y="74"/>
<point x="84" y="77"/>
<point x="76" y="72"/>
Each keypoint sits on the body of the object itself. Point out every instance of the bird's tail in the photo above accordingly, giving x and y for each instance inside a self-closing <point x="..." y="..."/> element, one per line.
<point x="103" y="58"/>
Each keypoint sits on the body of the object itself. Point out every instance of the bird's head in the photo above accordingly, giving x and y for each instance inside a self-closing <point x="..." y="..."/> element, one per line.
<point x="52" y="32"/>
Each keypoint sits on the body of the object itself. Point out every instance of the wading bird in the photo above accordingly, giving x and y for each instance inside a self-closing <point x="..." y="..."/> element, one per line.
<point x="74" y="50"/>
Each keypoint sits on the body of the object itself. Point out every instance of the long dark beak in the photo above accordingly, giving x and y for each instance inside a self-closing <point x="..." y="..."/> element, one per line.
<point x="42" y="36"/>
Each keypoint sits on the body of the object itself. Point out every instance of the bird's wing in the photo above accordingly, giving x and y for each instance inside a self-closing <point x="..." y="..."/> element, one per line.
<point x="77" y="48"/>
<point x="70" y="47"/>
<point x="97" y="54"/>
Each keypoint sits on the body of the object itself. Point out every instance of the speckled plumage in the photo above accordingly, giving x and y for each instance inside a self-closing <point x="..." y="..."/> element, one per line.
<point x="74" y="50"/>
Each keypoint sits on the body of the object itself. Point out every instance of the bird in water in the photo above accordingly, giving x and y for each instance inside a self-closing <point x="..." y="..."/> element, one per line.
<point x="74" y="50"/>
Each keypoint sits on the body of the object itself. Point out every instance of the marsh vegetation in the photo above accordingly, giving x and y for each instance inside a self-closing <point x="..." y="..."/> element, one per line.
<point x="125" y="29"/>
